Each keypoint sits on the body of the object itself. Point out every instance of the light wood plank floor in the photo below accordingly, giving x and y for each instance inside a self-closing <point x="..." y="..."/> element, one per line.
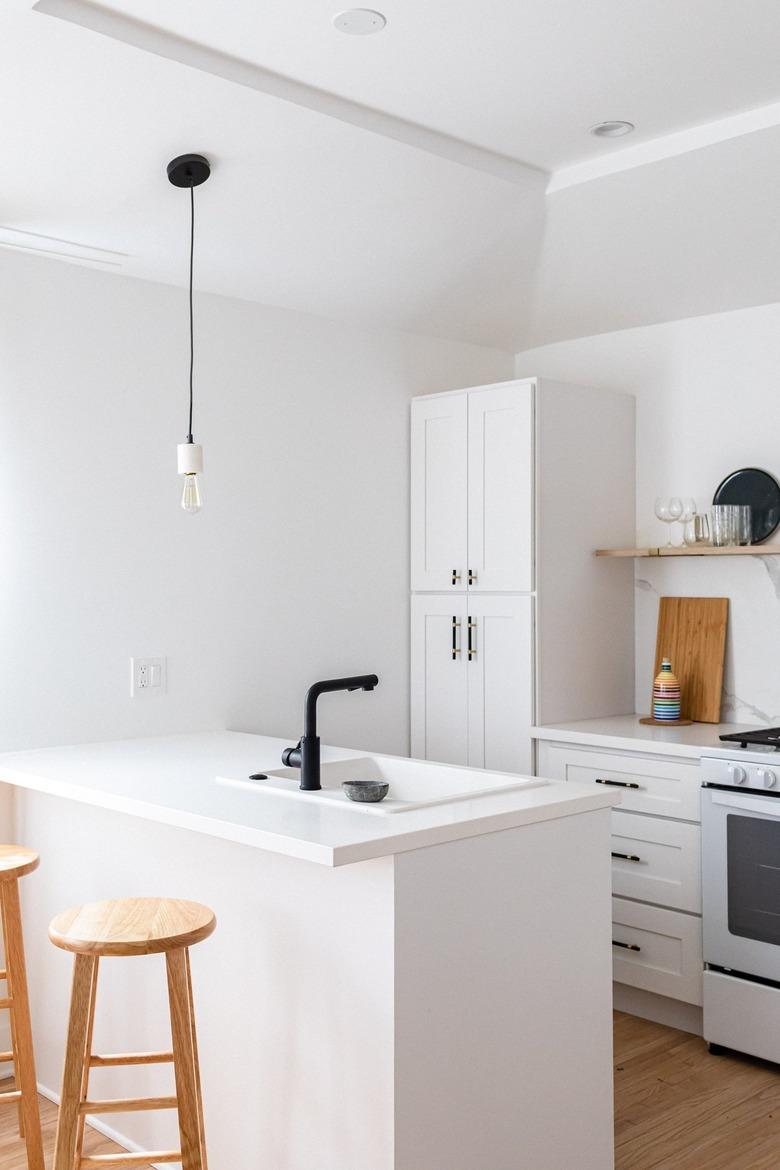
<point x="12" y="1154"/>
<point x="678" y="1108"/>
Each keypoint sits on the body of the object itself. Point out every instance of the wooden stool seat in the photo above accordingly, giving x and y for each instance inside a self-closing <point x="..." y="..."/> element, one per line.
<point x="132" y="926"/>
<point x="16" y="861"/>
<point x="123" y="928"/>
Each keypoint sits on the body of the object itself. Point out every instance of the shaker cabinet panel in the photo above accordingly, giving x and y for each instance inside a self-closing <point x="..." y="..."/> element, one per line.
<point x="501" y="489"/>
<point x="472" y="681"/>
<point x="499" y="662"/>
<point x="439" y="469"/>
<point x="439" y="681"/>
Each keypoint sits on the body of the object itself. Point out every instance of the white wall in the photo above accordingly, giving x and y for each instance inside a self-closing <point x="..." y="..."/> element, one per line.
<point x="708" y="402"/>
<point x="296" y="569"/>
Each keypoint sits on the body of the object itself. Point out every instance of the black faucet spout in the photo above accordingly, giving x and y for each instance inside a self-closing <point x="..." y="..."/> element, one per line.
<point x="306" y="755"/>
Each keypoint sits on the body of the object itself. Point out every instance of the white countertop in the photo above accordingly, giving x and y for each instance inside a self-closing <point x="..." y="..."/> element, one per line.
<point x="172" y="780"/>
<point x="626" y="733"/>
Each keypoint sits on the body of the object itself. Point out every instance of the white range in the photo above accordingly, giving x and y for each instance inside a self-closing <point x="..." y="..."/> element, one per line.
<point x="740" y="813"/>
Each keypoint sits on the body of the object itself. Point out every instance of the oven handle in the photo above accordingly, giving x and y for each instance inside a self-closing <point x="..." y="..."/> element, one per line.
<point x="768" y="805"/>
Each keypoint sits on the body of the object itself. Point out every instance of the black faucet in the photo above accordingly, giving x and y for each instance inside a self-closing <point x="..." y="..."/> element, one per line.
<point x="306" y="755"/>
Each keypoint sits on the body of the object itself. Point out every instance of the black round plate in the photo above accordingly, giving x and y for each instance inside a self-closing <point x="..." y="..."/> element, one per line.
<point x="758" y="488"/>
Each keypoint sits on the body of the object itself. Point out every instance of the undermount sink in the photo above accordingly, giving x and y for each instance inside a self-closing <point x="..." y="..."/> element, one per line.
<point x="413" y="783"/>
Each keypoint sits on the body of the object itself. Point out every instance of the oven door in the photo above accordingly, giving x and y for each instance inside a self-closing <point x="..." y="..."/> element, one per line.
<point x="741" y="881"/>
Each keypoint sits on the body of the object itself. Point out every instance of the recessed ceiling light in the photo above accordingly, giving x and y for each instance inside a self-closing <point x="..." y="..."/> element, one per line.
<point x="612" y="129"/>
<point x="360" y="22"/>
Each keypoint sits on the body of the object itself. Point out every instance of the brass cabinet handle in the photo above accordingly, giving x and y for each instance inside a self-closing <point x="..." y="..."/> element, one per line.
<point x="455" y="576"/>
<point x="626" y="856"/>
<point x="472" y="577"/>
<point x="626" y="946"/>
<point x="455" y="646"/>
<point x="472" y="649"/>
<point x="616" y="783"/>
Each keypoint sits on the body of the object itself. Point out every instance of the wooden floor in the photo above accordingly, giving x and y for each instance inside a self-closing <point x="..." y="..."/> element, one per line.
<point x="678" y="1108"/>
<point x="12" y="1155"/>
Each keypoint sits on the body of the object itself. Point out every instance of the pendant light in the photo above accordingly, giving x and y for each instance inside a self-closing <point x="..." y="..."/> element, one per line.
<point x="189" y="171"/>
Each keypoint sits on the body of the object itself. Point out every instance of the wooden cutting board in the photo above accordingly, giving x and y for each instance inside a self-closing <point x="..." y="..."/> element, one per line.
<point x="692" y="633"/>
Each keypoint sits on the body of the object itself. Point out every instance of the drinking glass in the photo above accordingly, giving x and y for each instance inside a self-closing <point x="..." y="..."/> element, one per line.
<point x="668" y="509"/>
<point x="701" y="528"/>
<point x="724" y="525"/>
<point x="744" y="523"/>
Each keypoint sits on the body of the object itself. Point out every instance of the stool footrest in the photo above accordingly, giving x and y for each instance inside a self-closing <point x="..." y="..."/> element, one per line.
<point x="155" y="1156"/>
<point x="118" y="1059"/>
<point x="16" y="1095"/>
<point x="128" y="1105"/>
<point x="5" y="1057"/>
<point x="8" y="1002"/>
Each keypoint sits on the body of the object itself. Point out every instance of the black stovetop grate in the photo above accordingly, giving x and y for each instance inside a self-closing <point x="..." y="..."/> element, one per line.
<point x="764" y="737"/>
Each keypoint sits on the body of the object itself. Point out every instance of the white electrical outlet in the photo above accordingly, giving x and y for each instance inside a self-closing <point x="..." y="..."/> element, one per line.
<point x="147" y="676"/>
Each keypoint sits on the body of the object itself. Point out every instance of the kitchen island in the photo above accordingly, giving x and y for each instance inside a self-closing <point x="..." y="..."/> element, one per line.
<point x="419" y="990"/>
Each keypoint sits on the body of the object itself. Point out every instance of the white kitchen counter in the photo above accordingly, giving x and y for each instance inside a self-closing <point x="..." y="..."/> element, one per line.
<point x="172" y="780"/>
<point x="626" y="733"/>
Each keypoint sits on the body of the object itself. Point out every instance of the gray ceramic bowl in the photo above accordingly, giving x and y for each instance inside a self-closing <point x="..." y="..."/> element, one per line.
<point x="366" y="791"/>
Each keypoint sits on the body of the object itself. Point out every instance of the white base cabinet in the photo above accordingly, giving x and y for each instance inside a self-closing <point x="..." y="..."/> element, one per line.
<point x="656" y="863"/>
<point x="513" y="487"/>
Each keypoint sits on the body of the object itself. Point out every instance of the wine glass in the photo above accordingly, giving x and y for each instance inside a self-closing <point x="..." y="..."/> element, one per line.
<point x="686" y="519"/>
<point x="669" y="509"/>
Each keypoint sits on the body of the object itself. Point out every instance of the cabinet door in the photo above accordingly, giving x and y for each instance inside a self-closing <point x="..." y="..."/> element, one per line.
<point x="439" y="509"/>
<point x="498" y="648"/>
<point x="439" y="679"/>
<point x="501" y="488"/>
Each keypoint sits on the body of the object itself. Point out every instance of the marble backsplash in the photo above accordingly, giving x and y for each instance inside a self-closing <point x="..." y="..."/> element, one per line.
<point x="751" y="685"/>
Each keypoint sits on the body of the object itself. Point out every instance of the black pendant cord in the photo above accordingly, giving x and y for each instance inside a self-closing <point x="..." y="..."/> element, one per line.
<point x="192" y="330"/>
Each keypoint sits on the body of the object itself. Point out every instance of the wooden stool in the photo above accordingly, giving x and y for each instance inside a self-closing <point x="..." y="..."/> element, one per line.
<point x="132" y="926"/>
<point x="15" y="862"/>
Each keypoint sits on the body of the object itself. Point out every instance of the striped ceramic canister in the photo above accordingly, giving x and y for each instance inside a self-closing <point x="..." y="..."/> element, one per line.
<point x="666" y="694"/>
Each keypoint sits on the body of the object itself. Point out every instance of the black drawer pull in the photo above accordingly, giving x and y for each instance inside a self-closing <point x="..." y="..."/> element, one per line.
<point x="617" y="783"/>
<point x="626" y="946"/>
<point x="626" y="856"/>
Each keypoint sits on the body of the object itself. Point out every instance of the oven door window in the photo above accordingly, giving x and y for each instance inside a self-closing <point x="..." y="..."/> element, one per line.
<point x="753" y="850"/>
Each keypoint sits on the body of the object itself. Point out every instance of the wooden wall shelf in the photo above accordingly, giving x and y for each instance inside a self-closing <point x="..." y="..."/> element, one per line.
<point x="755" y="550"/>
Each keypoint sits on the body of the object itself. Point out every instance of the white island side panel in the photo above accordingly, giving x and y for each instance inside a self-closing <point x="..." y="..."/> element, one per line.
<point x="503" y="1000"/>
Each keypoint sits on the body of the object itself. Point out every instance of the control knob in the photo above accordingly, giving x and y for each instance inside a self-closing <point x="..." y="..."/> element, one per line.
<point x="737" y="773"/>
<point x="767" y="777"/>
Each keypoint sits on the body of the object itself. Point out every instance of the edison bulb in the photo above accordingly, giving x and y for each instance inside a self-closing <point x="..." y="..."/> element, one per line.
<point x="190" y="496"/>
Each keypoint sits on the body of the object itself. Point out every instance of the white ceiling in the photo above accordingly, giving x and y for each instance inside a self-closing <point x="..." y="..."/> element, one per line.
<point x="314" y="207"/>
<point x="524" y="78"/>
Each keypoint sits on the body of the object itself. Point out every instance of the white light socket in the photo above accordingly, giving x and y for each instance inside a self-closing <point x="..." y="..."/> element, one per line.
<point x="190" y="458"/>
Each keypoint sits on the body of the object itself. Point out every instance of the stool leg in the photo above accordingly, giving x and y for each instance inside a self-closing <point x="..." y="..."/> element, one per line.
<point x="73" y="1073"/>
<point x="22" y="1030"/>
<point x="14" y="1046"/>
<point x="185" y="1057"/>
<point x="87" y="1056"/>
<point x="196" y="1062"/>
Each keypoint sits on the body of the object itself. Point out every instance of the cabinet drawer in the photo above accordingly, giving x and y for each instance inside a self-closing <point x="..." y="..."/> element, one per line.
<point x="662" y="861"/>
<point x="669" y="958"/>
<point x="664" y="788"/>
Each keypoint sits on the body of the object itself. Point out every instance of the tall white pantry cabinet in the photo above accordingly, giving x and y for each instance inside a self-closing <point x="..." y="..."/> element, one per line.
<point x="514" y="621"/>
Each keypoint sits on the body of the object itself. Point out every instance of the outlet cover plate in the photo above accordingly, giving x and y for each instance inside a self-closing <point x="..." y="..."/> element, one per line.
<point x="148" y="676"/>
